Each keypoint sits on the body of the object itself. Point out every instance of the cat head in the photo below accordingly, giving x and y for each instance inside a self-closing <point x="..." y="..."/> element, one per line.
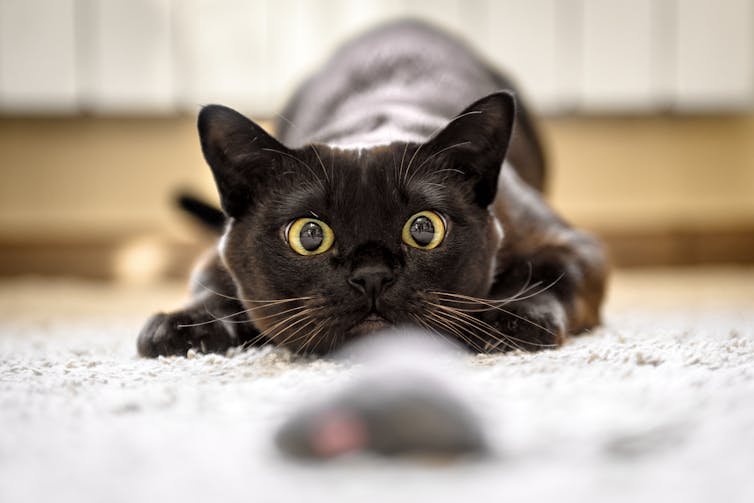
<point x="328" y="244"/>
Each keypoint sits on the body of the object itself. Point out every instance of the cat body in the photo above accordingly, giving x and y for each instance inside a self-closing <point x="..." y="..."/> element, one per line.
<point x="405" y="188"/>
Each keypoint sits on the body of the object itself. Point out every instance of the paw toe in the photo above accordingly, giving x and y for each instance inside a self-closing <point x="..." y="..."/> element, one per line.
<point x="157" y="338"/>
<point x="175" y="333"/>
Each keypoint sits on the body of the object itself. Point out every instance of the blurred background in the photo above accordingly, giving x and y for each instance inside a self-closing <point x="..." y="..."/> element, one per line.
<point x="645" y="105"/>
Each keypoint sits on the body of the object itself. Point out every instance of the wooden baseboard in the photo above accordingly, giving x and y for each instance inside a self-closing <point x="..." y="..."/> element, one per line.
<point x="117" y="258"/>
<point x="680" y="247"/>
<point x="96" y="258"/>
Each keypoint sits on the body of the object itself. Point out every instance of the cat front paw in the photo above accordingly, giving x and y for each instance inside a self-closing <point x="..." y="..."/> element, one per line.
<point x="528" y="328"/>
<point x="173" y="334"/>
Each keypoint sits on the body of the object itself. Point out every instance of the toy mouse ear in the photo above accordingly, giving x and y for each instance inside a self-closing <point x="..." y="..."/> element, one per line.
<point x="239" y="152"/>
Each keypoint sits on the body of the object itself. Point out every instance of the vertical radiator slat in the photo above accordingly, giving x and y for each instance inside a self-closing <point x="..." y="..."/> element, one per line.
<point x="224" y="54"/>
<point x="37" y="56"/>
<point x="159" y="56"/>
<point x="618" y="49"/>
<point x="715" y="50"/>
<point x="523" y="43"/>
<point x="130" y="50"/>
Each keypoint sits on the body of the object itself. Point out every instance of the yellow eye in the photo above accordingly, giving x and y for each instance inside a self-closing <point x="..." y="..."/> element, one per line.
<point x="309" y="236"/>
<point x="424" y="230"/>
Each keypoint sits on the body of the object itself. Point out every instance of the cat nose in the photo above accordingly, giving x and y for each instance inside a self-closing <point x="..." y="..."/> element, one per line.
<point x="371" y="280"/>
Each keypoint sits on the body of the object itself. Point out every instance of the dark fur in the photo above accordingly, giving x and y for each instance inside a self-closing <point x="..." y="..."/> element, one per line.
<point x="548" y="278"/>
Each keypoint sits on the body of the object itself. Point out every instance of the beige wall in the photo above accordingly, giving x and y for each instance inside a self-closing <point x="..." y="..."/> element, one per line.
<point x="655" y="173"/>
<point x="98" y="177"/>
<point x="87" y="177"/>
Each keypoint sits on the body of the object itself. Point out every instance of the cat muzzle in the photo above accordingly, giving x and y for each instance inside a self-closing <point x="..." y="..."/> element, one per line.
<point x="371" y="323"/>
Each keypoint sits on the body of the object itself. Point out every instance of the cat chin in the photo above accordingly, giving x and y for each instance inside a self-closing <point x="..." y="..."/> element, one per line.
<point x="370" y="324"/>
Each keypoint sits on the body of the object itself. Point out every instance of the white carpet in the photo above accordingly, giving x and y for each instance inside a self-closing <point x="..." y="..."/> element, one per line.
<point x="656" y="406"/>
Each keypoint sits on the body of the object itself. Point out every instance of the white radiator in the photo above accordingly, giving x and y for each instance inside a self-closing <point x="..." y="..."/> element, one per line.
<point x="570" y="56"/>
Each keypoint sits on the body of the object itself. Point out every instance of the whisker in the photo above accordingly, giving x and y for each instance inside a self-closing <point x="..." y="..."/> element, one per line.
<point x="465" y="299"/>
<point x="479" y="325"/>
<point x="313" y="333"/>
<point x="310" y="337"/>
<point x="269" y="333"/>
<point x="251" y="342"/>
<point x="435" y="155"/>
<point x="395" y="164"/>
<point x="278" y="327"/>
<point x="544" y="289"/>
<point x="453" y="170"/>
<point x="218" y="293"/>
<point x="426" y="325"/>
<point x="434" y="133"/>
<point x="286" y="154"/>
<point x="287" y="319"/>
<point x="293" y="309"/>
<point x="227" y="317"/>
<point x="266" y="333"/>
<point x="454" y="328"/>
<point x="287" y="340"/>
<point x="335" y="338"/>
<point x="435" y="184"/>
<point x="434" y="332"/>
<point x="511" y="313"/>
<point x="522" y="294"/>
<point x="501" y="302"/>
<point x="408" y="168"/>
<point x="457" y="117"/>
<point x="287" y="121"/>
<point x="482" y="323"/>
<point x="248" y="300"/>
<point x="470" y="329"/>
<point x="332" y="162"/>
<point x="525" y="286"/>
<point x="213" y="320"/>
<point x="403" y="158"/>
<point x="316" y="152"/>
<point x="471" y="322"/>
<point x="273" y="328"/>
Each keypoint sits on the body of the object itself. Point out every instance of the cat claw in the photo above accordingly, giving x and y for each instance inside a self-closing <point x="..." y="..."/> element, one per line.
<point x="174" y="334"/>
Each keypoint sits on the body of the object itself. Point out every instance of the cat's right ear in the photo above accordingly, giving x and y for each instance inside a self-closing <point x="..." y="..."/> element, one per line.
<point x="238" y="152"/>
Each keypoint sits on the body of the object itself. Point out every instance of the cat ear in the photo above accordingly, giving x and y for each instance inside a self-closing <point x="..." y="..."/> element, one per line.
<point x="238" y="152"/>
<point x="476" y="141"/>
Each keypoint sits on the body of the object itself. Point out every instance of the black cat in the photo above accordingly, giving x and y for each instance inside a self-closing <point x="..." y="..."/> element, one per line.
<point x="386" y="202"/>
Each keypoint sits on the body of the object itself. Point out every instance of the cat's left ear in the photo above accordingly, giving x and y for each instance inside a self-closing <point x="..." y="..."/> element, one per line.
<point x="240" y="153"/>
<point x="476" y="141"/>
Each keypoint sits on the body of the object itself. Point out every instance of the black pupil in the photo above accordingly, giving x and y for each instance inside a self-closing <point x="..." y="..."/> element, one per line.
<point x="311" y="236"/>
<point x="422" y="230"/>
